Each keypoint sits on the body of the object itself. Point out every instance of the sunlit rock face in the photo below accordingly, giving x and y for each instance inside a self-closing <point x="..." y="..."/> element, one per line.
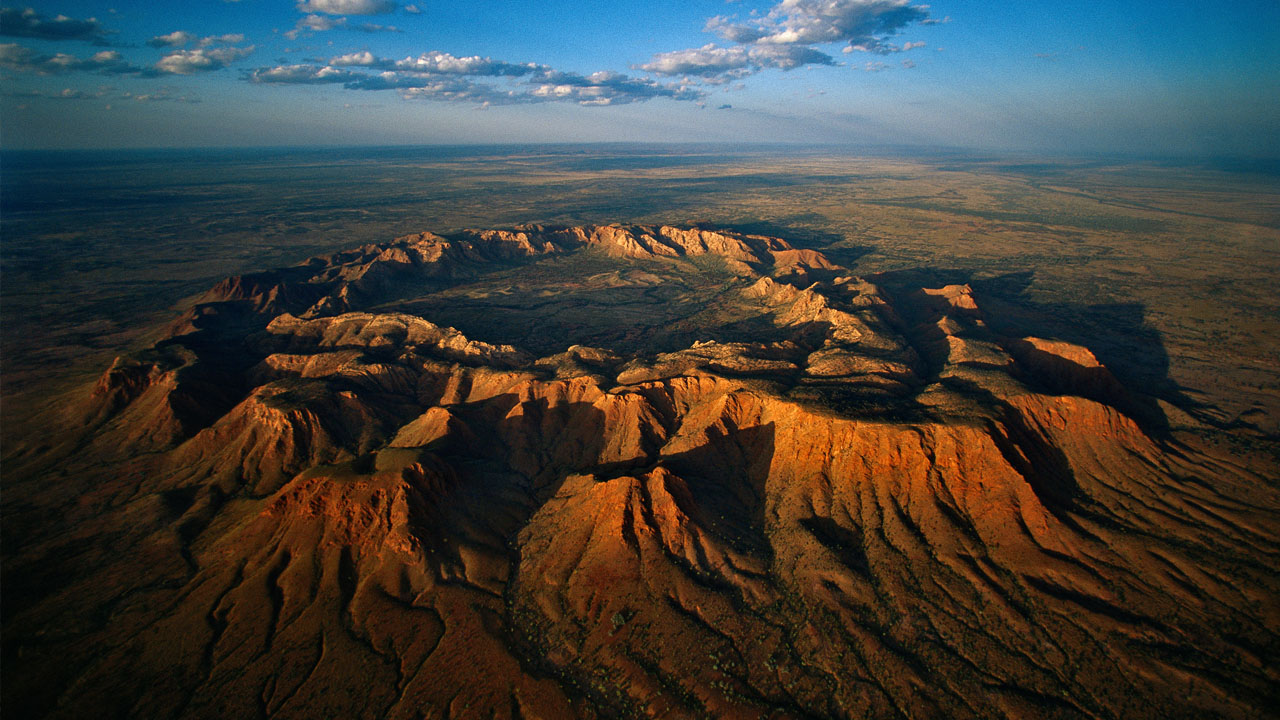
<point x="796" y="494"/>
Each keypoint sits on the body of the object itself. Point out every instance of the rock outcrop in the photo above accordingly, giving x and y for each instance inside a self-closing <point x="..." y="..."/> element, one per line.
<point x="866" y="505"/>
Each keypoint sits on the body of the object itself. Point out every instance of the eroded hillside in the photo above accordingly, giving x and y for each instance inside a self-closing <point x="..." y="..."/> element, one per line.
<point x="625" y="471"/>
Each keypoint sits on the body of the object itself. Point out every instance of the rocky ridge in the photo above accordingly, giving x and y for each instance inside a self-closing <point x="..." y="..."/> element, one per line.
<point x="877" y="508"/>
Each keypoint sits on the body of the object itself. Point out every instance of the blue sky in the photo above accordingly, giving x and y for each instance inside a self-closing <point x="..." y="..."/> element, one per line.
<point x="1172" y="78"/>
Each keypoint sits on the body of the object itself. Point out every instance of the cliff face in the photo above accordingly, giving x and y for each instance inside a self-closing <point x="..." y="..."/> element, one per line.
<point x="867" y="505"/>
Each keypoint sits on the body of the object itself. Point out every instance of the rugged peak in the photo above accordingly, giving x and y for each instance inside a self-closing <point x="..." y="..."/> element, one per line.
<point x="957" y="298"/>
<point x="838" y="495"/>
<point x="389" y="331"/>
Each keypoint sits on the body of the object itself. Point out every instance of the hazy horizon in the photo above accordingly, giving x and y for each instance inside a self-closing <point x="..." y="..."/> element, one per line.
<point x="1261" y="164"/>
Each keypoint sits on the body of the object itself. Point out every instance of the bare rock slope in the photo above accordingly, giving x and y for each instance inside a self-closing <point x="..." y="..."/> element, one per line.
<point x="308" y="503"/>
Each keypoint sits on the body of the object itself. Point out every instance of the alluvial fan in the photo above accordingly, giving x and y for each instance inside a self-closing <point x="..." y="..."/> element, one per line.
<point x="654" y="471"/>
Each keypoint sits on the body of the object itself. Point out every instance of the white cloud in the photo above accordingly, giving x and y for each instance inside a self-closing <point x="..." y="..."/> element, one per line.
<point x="31" y="24"/>
<point x="412" y="9"/>
<point x="177" y="38"/>
<point x="445" y="64"/>
<point x="187" y="62"/>
<point x="438" y="63"/>
<point x="438" y="86"/>
<point x="608" y="88"/>
<point x="461" y="90"/>
<point x="706" y="60"/>
<point x="347" y="7"/>
<point x="729" y="30"/>
<point x="24" y="59"/>
<point x="303" y="75"/>
<point x="228" y="39"/>
<point x="360" y="59"/>
<point x="181" y="38"/>
<point x="441" y="76"/>
<point x="161" y="95"/>
<point x="320" y="23"/>
<point x="711" y="61"/>
<point x="785" y="36"/>
<point x="314" y="23"/>
<point x="812" y="22"/>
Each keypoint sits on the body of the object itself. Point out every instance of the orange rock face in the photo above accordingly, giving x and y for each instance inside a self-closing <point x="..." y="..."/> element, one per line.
<point x="868" y="505"/>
